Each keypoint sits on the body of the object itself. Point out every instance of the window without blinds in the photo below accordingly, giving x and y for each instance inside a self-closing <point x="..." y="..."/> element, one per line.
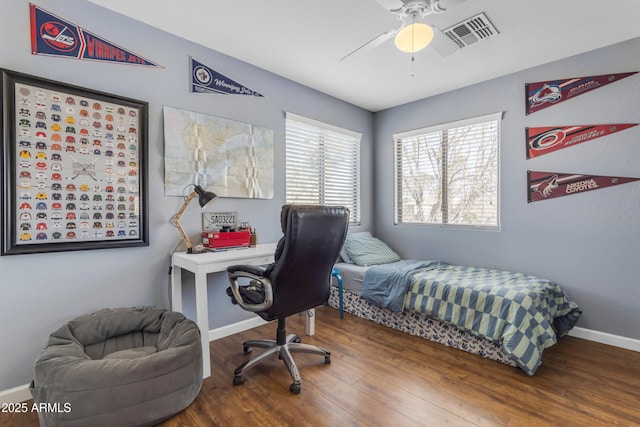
<point x="322" y="165"/>
<point x="448" y="174"/>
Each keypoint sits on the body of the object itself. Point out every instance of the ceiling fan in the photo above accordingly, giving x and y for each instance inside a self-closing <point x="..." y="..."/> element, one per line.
<point x="413" y="35"/>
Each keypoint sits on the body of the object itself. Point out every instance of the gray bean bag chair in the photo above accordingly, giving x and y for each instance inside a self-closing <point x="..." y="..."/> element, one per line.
<point x="119" y="367"/>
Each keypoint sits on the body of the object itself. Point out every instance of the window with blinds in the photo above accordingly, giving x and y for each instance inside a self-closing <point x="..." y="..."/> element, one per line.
<point x="322" y="165"/>
<point x="449" y="175"/>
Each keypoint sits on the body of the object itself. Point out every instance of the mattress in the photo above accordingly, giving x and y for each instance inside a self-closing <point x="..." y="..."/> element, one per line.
<point x="352" y="277"/>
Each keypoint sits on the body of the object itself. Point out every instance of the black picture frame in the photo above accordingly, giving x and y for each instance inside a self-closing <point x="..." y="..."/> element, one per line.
<point x="74" y="167"/>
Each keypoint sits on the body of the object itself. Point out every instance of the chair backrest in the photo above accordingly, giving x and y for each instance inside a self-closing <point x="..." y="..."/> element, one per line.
<point x="301" y="273"/>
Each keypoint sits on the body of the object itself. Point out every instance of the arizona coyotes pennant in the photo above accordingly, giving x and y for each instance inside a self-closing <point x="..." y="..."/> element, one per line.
<point x="547" y="185"/>
<point x="206" y="80"/>
<point x="52" y="36"/>
<point x="541" y="95"/>
<point x="543" y="140"/>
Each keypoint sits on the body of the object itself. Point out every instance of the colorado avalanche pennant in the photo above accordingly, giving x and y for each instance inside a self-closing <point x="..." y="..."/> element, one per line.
<point x="547" y="185"/>
<point x="541" y="95"/>
<point x="53" y="36"/>
<point x="543" y="140"/>
<point x="206" y="80"/>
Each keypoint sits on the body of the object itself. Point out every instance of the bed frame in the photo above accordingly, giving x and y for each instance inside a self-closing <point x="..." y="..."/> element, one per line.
<point x="417" y="324"/>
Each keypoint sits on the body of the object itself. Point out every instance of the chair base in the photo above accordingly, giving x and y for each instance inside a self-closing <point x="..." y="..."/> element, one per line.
<point x="283" y="346"/>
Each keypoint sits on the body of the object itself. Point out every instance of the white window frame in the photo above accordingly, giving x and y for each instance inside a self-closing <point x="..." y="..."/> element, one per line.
<point x="433" y="131"/>
<point x="322" y="164"/>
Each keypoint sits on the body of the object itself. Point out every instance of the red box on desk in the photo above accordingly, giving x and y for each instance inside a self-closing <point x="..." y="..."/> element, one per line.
<point x="226" y="239"/>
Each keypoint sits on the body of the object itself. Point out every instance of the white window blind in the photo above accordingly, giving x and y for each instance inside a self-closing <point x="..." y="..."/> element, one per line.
<point x="448" y="174"/>
<point x="322" y="165"/>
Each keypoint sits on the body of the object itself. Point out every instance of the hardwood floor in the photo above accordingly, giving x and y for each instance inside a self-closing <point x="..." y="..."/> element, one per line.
<point x="381" y="377"/>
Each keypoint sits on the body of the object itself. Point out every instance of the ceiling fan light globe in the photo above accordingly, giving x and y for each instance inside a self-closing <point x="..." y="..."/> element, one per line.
<point x="414" y="37"/>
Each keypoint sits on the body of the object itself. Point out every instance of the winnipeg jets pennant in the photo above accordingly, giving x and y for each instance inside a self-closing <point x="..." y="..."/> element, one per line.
<point x="541" y="95"/>
<point x="543" y="140"/>
<point x="53" y="36"/>
<point x="547" y="185"/>
<point x="206" y="80"/>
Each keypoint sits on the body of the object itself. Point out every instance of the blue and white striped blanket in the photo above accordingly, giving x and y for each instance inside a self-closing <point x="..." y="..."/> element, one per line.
<point x="524" y="313"/>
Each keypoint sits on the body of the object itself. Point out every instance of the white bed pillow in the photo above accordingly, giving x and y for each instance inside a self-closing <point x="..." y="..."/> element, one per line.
<point x="343" y="253"/>
<point x="366" y="251"/>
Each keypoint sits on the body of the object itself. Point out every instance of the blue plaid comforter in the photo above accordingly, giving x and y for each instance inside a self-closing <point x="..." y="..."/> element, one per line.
<point x="524" y="313"/>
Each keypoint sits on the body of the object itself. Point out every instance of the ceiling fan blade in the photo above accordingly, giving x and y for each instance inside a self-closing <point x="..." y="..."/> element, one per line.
<point x="390" y="4"/>
<point x="452" y="3"/>
<point x="442" y="43"/>
<point x="439" y="6"/>
<point x="372" y="43"/>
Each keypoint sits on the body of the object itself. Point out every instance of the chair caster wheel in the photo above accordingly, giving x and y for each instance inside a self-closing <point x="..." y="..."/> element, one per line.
<point x="297" y="339"/>
<point x="294" y="388"/>
<point x="246" y="349"/>
<point x="327" y="360"/>
<point x="238" y="380"/>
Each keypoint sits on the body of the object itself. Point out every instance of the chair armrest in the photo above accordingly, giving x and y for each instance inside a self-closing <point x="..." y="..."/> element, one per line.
<point x="256" y="270"/>
<point x="255" y="275"/>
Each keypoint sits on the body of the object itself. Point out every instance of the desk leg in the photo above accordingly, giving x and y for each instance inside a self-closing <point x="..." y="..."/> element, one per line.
<point x="176" y="289"/>
<point x="202" y="316"/>
<point x="311" y="321"/>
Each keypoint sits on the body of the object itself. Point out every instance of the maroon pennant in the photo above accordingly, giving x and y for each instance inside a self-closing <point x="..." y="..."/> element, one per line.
<point x="543" y="140"/>
<point x="541" y="95"/>
<point x="547" y="185"/>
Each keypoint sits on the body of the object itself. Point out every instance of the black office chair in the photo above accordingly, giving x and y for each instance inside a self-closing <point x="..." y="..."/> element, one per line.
<point x="298" y="280"/>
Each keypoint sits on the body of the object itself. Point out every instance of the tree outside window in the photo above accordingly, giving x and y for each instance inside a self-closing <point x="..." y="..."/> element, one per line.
<point x="448" y="174"/>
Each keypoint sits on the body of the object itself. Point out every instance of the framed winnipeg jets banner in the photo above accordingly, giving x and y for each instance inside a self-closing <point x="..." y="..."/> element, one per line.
<point x="74" y="167"/>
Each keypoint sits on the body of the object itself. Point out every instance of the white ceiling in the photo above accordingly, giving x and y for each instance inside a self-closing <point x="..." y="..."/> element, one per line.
<point x="304" y="40"/>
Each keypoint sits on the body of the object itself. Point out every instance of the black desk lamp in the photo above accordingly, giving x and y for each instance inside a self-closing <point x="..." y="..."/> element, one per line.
<point x="205" y="198"/>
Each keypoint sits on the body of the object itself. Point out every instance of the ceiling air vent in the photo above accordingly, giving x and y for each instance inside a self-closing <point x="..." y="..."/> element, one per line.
<point x="472" y="30"/>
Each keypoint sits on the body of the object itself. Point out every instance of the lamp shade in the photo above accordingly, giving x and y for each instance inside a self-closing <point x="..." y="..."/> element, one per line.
<point x="414" y="37"/>
<point x="204" y="197"/>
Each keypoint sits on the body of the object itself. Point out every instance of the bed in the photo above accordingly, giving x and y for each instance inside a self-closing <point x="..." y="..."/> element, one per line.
<point x="505" y="316"/>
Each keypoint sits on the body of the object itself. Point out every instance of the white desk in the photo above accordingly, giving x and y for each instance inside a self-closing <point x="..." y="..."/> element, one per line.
<point x="212" y="262"/>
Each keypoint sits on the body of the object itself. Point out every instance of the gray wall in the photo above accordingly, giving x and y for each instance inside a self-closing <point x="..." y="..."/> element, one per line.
<point x="588" y="243"/>
<point x="40" y="292"/>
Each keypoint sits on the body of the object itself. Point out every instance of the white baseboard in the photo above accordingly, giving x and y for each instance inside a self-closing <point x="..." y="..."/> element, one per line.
<point x="22" y="393"/>
<point x="15" y="395"/>
<point x="605" y="338"/>
<point x="234" y="328"/>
